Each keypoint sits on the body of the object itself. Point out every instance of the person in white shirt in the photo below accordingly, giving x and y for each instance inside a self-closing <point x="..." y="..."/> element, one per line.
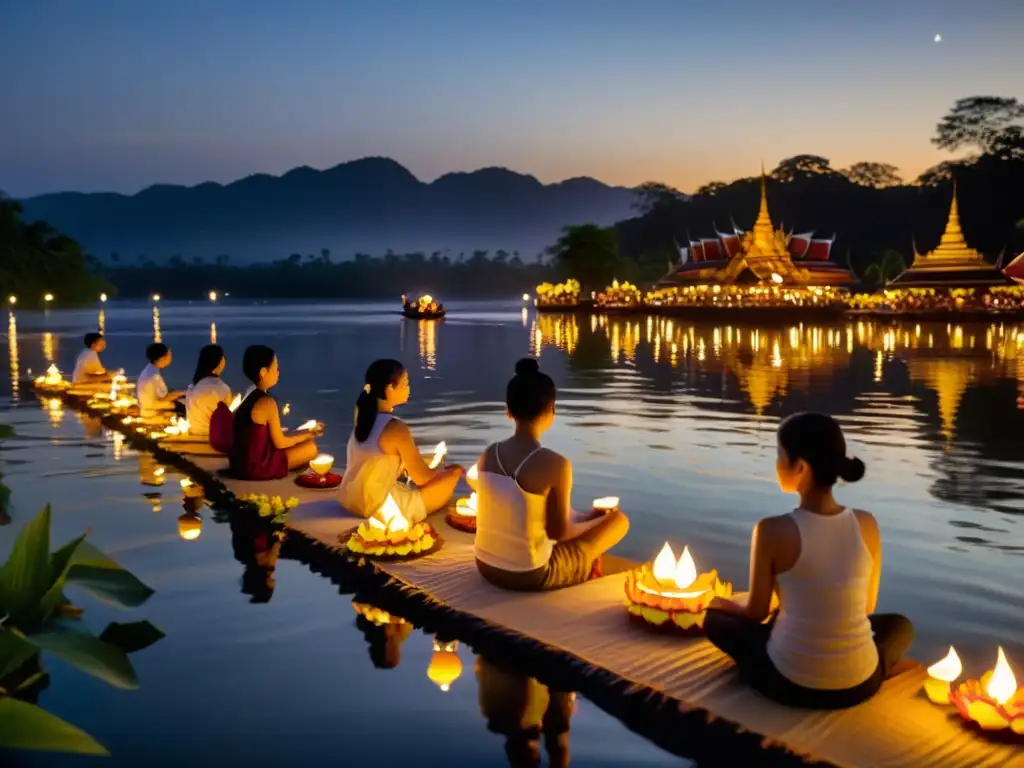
<point x="154" y="397"/>
<point x="206" y="391"/>
<point x="826" y="648"/>
<point x="88" y="367"/>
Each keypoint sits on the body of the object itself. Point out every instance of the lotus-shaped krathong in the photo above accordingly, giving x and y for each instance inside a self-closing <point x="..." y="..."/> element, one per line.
<point x="994" y="703"/>
<point x="670" y="595"/>
<point x="389" y="535"/>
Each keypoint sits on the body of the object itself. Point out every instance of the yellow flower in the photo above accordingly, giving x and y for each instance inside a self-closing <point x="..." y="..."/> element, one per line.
<point x="292" y="503"/>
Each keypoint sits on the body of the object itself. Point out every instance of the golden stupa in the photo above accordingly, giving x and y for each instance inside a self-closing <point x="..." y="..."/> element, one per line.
<point x="762" y="255"/>
<point x="953" y="263"/>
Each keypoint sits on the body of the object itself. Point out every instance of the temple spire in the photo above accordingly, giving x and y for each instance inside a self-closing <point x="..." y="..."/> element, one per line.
<point x="764" y="219"/>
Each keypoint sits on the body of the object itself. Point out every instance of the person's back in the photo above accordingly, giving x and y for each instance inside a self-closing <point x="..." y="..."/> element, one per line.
<point x="201" y="400"/>
<point x="822" y="637"/>
<point x="511" y="526"/>
<point x="253" y="455"/>
<point x="370" y="473"/>
<point x="88" y="366"/>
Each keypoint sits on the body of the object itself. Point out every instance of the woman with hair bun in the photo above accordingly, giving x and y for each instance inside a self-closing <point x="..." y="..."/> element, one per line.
<point x="826" y="648"/>
<point x="527" y="537"/>
<point x="381" y="446"/>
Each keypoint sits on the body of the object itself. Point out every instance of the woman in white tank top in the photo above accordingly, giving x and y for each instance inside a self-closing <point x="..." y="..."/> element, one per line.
<point x="527" y="537"/>
<point x="826" y="648"/>
<point x="381" y="446"/>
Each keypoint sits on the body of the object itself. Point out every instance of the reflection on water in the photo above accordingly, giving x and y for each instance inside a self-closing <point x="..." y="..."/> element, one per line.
<point x="213" y="333"/>
<point x="156" y="324"/>
<point x="102" y="322"/>
<point x="384" y="633"/>
<point x="445" y="665"/>
<point x="427" y="334"/>
<point x="12" y="354"/>
<point x="49" y="347"/>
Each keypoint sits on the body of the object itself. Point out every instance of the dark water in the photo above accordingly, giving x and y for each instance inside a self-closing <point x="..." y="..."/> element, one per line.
<point x="675" y="419"/>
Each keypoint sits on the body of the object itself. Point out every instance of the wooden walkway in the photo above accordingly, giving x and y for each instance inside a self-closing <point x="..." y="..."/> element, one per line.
<point x="683" y="692"/>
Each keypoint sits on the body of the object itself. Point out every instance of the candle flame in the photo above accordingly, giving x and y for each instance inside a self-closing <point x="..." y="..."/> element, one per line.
<point x="439" y="453"/>
<point x="948" y="669"/>
<point x="467" y="507"/>
<point x="473" y="473"/>
<point x="237" y="401"/>
<point x="606" y="502"/>
<point x="311" y="424"/>
<point x="1002" y="685"/>
<point x="390" y="518"/>
<point x="680" y="574"/>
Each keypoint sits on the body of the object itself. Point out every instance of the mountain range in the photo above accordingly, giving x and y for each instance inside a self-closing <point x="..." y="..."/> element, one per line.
<point x="368" y="206"/>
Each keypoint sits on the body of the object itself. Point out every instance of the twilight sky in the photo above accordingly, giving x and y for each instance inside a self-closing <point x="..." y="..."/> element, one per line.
<point x="119" y="94"/>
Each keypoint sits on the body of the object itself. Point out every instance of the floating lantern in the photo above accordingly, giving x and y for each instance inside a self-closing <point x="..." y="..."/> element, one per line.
<point x="941" y="675"/>
<point x="389" y="535"/>
<point x="670" y="595"/>
<point x="994" y="703"/>
<point x="439" y="453"/>
<point x="445" y="665"/>
<point x="190" y="525"/>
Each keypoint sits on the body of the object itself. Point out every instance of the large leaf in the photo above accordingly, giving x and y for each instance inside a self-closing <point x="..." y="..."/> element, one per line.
<point x="14" y="652"/>
<point x="131" y="637"/>
<point x="25" y="576"/>
<point x="96" y="573"/>
<point x="87" y="652"/>
<point x="60" y="563"/>
<point x="26" y="726"/>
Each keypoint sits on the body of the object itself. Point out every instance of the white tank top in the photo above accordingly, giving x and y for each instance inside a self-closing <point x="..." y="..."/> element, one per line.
<point x="822" y="638"/>
<point x="511" y="524"/>
<point x="370" y="474"/>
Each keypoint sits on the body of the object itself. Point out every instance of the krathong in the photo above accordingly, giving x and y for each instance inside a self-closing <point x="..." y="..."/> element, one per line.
<point x="563" y="295"/>
<point x="322" y="464"/>
<point x="670" y="595"/>
<point x="319" y="474"/>
<point x="177" y="426"/>
<point x="445" y="665"/>
<point x="463" y="516"/>
<point x="941" y="676"/>
<point x="389" y="535"/>
<point x="619" y="295"/>
<point x="52" y="381"/>
<point x="994" y="703"/>
<point x="439" y="453"/>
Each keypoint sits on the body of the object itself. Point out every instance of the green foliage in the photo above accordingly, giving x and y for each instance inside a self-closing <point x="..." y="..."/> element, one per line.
<point x="26" y="726"/>
<point x="37" y="260"/>
<point x="888" y="266"/>
<point x="875" y="175"/>
<point x="34" y="610"/>
<point x="588" y="253"/>
<point x="988" y="123"/>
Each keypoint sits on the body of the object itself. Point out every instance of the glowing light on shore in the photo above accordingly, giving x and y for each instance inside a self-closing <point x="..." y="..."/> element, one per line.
<point x="48" y="297"/>
<point x="103" y="298"/>
<point x="12" y="299"/>
<point x="156" y="297"/>
<point x="213" y="295"/>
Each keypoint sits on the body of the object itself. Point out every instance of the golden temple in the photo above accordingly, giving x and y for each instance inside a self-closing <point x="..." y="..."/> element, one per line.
<point x="763" y="254"/>
<point x="952" y="264"/>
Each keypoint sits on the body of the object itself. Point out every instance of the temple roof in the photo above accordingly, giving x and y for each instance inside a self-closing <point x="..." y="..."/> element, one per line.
<point x="952" y="264"/>
<point x="763" y="255"/>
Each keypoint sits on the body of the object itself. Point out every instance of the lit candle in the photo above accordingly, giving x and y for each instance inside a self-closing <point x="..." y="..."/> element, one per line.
<point x="467" y="507"/>
<point x="439" y="453"/>
<point x="322" y="464"/>
<point x="941" y="676"/>
<point x="607" y="504"/>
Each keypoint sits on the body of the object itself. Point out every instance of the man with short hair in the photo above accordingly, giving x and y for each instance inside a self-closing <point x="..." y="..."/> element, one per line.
<point x="88" y="367"/>
<point x="154" y="398"/>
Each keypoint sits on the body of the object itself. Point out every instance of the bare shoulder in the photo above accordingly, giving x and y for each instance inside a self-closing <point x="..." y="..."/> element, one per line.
<point x="264" y="407"/>
<point x="776" y="529"/>
<point x="397" y="428"/>
<point x="554" y="461"/>
<point x="866" y="519"/>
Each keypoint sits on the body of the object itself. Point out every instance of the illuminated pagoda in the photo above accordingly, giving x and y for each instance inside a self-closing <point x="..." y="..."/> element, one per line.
<point x="763" y="255"/>
<point x="952" y="279"/>
<point x="762" y="272"/>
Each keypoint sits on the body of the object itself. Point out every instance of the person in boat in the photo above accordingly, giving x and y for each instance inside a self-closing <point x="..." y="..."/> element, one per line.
<point x="261" y="450"/>
<point x="88" y="368"/>
<point x="206" y="391"/>
<point x="527" y="535"/>
<point x="826" y="648"/>
<point x="381" y="446"/>
<point x="151" y="389"/>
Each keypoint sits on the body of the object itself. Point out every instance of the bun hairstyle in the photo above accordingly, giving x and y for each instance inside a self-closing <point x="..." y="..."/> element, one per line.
<point x="379" y="375"/>
<point x="530" y="393"/>
<point x="256" y="358"/>
<point x="817" y="439"/>
<point x="209" y="358"/>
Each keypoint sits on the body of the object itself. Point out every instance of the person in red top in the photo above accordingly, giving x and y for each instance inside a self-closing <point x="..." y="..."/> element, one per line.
<point x="261" y="449"/>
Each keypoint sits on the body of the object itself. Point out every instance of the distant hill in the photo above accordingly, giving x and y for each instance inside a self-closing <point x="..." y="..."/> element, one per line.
<point x="368" y="205"/>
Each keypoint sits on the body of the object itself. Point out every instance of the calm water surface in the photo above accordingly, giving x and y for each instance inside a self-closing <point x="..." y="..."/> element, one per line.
<point x="678" y="420"/>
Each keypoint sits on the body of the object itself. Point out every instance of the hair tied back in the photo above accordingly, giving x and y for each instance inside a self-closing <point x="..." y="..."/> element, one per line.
<point x="851" y="470"/>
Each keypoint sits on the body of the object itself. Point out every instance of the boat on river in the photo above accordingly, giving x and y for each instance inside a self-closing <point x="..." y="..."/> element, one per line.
<point x="424" y="308"/>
